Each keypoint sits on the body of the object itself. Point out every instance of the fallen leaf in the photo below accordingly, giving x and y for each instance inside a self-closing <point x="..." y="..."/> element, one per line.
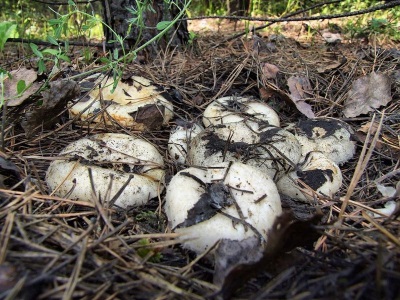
<point x="298" y="87"/>
<point x="10" y="86"/>
<point x="270" y="71"/>
<point x="54" y="102"/>
<point x="366" y="127"/>
<point x="8" y="276"/>
<point x="266" y="93"/>
<point x="238" y="261"/>
<point x="386" y="191"/>
<point x="366" y="94"/>
<point x="332" y="65"/>
<point x="9" y="174"/>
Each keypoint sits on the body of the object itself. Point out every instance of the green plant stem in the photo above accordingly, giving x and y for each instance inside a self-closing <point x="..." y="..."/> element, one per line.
<point x="3" y="105"/>
<point x="127" y="57"/>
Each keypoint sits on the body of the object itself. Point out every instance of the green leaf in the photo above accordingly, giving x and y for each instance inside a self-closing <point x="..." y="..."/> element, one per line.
<point x="4" y="72"/>
<point x="52" y="40"/>
<point x="70" y="2"/>
<point x="21" y="86"/>
<point x="51" y="51"/>
<point x="35" y="50"/>
<point x="162" y="25"/>
<point x="41" y="66"/>
<point x="7" y="29"/>
<point x="64" y="57"/>
<point x="115" y="53"/>
<point x="105" y="60"/>
<point x="66" y="46"/>
<point x="53" y="22"/>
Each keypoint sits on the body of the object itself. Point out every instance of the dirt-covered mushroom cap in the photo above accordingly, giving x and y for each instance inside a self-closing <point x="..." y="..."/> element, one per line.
<point x="332" y="137"/>
<point x="235" y="109"/>
<point x="317" y="172"/>
<point x="272" y="149"/>
<point x="230" y="201"/>
<point x="113" y="160"/>
<point x="179" y="139"/>
<point x="136" y="103"/>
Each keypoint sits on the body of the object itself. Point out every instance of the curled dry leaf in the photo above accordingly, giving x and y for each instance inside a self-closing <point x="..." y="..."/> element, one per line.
<point x="54" y="102"/>
<point x="366" y="94"/>
<point x="10" y="86"/>
<point x="9" y="174"/>
<point x="298" y="87"/>
<point x="238" y="261"/>
<point x="270" y="71"/>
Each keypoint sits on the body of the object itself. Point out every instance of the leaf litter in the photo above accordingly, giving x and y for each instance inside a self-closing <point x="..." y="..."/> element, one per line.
<point x="54" y="247"/>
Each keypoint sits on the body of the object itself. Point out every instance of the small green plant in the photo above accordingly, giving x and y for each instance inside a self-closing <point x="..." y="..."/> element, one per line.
<point x="192" y="37"/>
<point x="145" y="250"/>
<point x="49" y="54"/>
<point x="3" y="76"/>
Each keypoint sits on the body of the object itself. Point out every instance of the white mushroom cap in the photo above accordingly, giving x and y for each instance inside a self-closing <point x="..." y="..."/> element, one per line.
<point x="180" y="138"/>
<point x="272" y="149"/>
<point x="108" y="155"/>
<point x="236" y="109"/>
<point x="332" y="137"/>
<point x="136" y="103"/>
<point x="200" y="201"/>
<point x="316" y="171"/>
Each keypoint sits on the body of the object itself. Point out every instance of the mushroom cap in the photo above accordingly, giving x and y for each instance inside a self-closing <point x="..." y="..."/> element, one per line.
<point x="236" y="109"/>
<point x="316" y="171"/>
<point x="272" y="149"/>
<point x="332" y="137"/>
<point x="196" y="197"/>
<point x="109" y="155"/>
<point x="180" y="138"/>
<point x="135" y="103"/>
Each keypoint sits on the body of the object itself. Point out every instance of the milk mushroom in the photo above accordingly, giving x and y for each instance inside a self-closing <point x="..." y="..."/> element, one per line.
<point x="115" y="159"/>
<point x="317" y="172"/>
<point x="334" y="138"/>
<point x="179" y="139"/>
<point x="231" y="201"/>
<point x="272" y="149"/>
<point x="136" y="103"/>
<point x="239" y="109"/>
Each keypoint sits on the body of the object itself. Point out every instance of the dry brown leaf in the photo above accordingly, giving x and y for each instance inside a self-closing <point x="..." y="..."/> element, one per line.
<point x="238" y="261"/>
<point x="332" y="65"/>
<point x="270" y="71"/>
<point x="54" y="102"/>
<point x="10" y="85"/>
<point x="298" y="87"/>
<point x="366" y="127"/>
<point x="366" y="94"/>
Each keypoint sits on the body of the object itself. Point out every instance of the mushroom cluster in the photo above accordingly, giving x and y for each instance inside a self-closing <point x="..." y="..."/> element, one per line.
<point x="125" y="170"/>
<point x="300" y="161"/>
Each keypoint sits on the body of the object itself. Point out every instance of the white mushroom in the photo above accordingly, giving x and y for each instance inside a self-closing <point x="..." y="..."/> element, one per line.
<point x="179" y="139"/>
<point x="113" y="159"/>
<point x="230" y="201"/>
<point x="236" y="109"/>
<point x="272" y="149"/>
<point x="135" y="103"/>
<point x="332" y="137"/>
<point x="317" y="172"/>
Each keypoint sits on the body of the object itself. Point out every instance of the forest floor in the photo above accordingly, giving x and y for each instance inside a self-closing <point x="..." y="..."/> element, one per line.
<point x="57" y="248"/>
